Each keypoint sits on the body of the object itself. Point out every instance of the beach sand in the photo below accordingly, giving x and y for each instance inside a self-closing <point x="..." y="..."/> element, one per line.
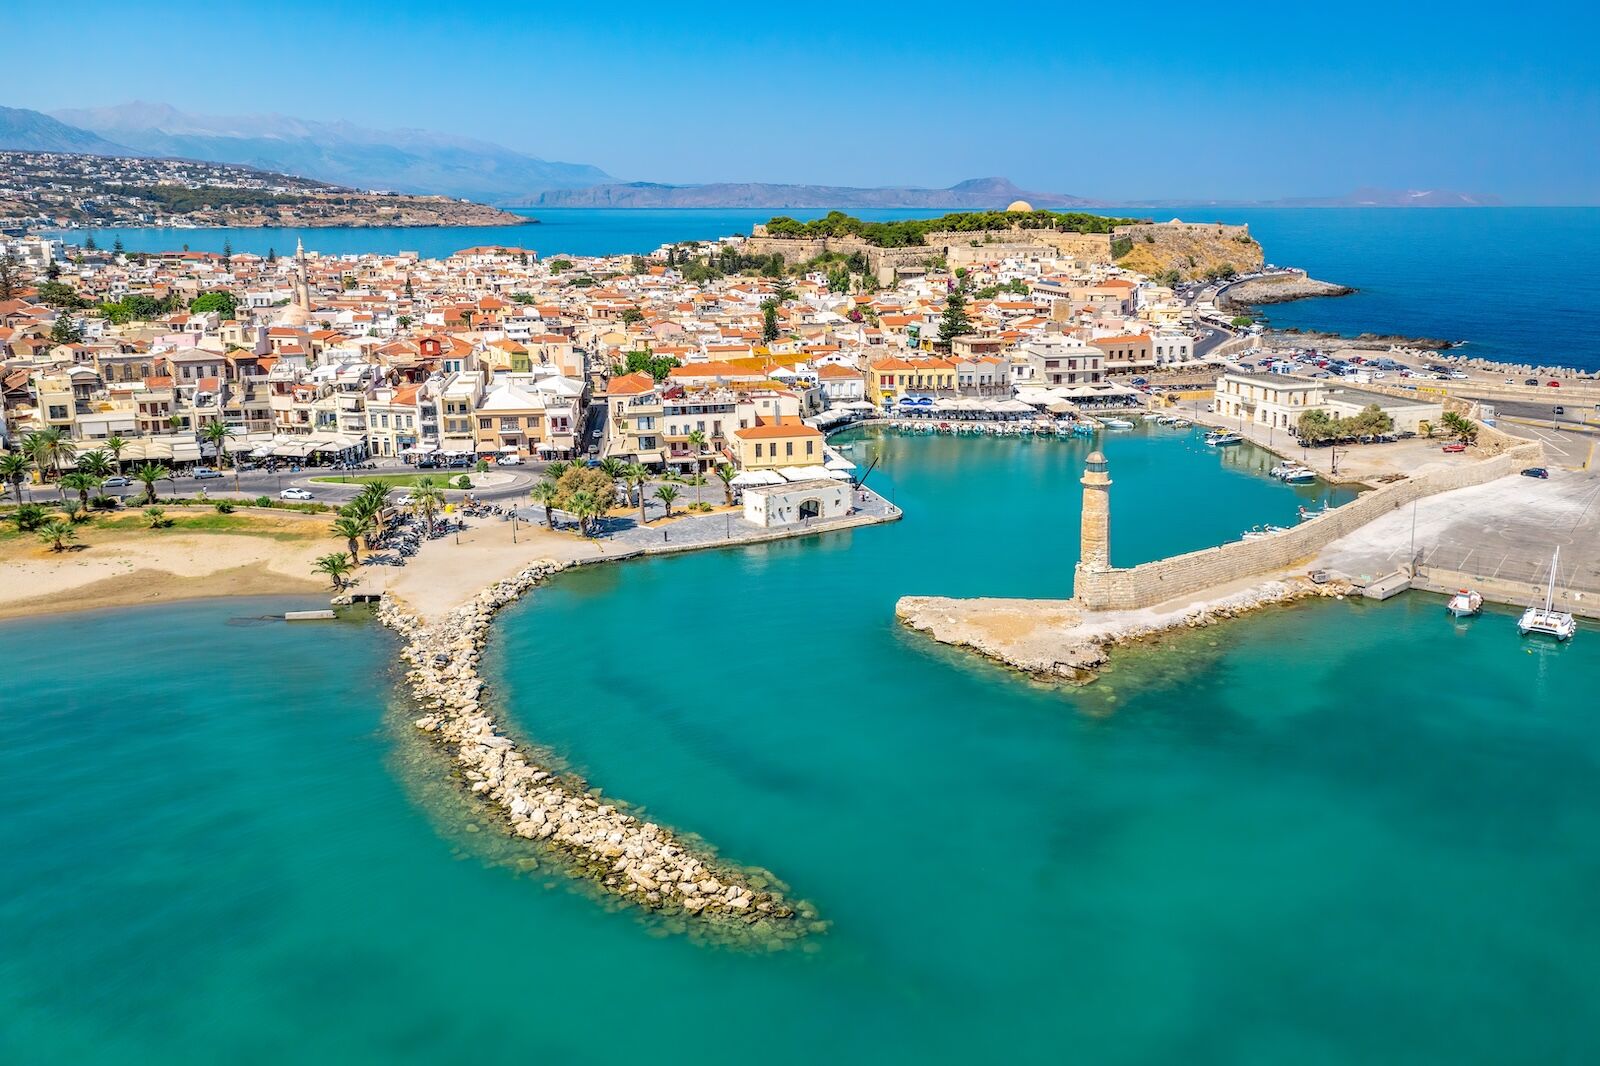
<point x="113" y="566"/>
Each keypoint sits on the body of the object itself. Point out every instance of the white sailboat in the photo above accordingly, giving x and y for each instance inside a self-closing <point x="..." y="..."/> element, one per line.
<point x="1547" y="620"/>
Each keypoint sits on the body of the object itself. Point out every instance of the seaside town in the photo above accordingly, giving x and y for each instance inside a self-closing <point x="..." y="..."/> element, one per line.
<point x="438" y="436"/>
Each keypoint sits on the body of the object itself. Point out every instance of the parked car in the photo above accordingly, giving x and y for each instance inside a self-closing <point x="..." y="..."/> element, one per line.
<point x="205" y="473"/>
<point x="1455" y="447"/>
<point x="1553" y="384"/>
<point x="509" y="460"/>
<point x="116" y="482"/>
<point x="1538" y="472"/>
<point x="1510" y="381"/>
<point x="1139" y="381"/>
<point x="1560" y="410"/>
<point x="405" y="501"/>
<point x="1531" y="381"/>
<point x="294" y="494"/>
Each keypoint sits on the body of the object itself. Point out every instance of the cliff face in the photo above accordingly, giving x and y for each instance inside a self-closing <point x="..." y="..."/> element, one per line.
<point x="1194" y="250"/>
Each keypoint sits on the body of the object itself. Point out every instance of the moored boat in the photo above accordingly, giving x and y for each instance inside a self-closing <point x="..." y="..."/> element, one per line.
<point x="1221" y="439"/>
<point x="1546" y="620"/>
<point x="1116" y="423"/>
<point x="1465" y="603"/>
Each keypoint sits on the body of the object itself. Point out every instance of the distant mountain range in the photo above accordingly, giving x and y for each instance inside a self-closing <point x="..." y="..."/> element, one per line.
<point x="418" y="161"/>
<point x="22" y="130"/>
<point x="985" y="193"/>
<point x="412" y="161"/>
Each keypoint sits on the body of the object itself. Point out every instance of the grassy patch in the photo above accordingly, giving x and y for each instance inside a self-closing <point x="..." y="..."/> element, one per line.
<point x="242" y="524"/>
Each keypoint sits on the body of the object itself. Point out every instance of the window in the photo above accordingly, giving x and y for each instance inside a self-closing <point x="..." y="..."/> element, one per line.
<point x="758" y="451"/>
<point x="788" y="447"/>
<point x="810" y="447"/>
<point x="485" y="423"/>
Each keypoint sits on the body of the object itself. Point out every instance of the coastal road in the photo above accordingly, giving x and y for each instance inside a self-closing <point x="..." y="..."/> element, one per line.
<point x="253" y="483"/>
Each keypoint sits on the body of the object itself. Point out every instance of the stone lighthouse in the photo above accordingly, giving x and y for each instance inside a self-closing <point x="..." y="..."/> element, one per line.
<point x="1094" y="540"/>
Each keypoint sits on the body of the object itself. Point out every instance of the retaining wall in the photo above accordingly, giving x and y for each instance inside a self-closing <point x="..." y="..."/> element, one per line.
<point x="1182" y="575"/>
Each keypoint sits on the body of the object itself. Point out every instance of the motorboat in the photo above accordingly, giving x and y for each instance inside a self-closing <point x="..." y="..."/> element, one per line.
<point x="1257" y="532"/>
<point x="1117" y="423"/>
<point x="1465" y="603"/>
<point x="1546" y="620"/>
<point x="1152" y="416"/>
<point x="1221" y="439"/>
<point x="1174" y="422"/>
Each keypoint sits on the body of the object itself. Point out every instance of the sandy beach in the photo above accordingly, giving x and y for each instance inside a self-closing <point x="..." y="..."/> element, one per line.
<point x="115" y="563"/>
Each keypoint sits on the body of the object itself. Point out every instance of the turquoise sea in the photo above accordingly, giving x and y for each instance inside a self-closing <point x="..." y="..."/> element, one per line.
<point x="1333" y="833"/>
<point x="1518" y="284"/>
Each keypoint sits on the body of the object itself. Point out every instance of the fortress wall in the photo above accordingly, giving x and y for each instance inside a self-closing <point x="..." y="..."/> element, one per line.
<point x="1182" y="575"/>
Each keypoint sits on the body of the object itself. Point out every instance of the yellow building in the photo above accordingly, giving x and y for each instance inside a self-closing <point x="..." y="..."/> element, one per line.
<point x="888" y="379"/>
<point x="781" y="442"/>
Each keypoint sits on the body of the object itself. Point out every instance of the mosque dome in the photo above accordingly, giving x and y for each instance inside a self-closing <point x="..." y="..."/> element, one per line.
<point x="1019" y="205"/>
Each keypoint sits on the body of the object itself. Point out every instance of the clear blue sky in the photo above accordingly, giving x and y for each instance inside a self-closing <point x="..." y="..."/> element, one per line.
<point x="1208" y="100"/>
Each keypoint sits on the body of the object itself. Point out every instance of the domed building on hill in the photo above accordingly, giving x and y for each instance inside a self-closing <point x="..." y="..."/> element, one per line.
<point x="1019" y="205"/>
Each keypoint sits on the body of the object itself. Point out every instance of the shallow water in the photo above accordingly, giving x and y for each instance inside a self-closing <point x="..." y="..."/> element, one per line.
<point x="1329" y="833"/>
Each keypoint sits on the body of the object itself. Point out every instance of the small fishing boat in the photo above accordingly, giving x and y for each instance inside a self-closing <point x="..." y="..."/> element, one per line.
<point x="1307" y="515"/>
<point x="1117" y="423"/>
<point x="1221" y="439"/>
<point x="1257" y="532"/>
<point x="1151" y="416"/>
<point x="1174" y="422"/>
<point x="1465" y="603"/>
<point x="1546" y="620"/>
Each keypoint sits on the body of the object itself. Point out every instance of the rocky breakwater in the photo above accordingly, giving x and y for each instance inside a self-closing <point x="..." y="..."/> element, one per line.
<point x="1278" y="289"/>
<point x="632" y="859"/>
<point x="1059" y="640"/>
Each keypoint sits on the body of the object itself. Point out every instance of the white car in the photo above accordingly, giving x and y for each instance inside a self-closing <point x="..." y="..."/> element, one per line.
<point x="295" y="494"/>
<point x="405" y="501"/>
<point x="509" y="459"/>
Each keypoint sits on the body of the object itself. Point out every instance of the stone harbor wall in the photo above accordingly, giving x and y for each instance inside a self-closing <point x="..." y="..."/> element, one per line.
<point x="636" y="860"/>
<point x="1183" y="575"/>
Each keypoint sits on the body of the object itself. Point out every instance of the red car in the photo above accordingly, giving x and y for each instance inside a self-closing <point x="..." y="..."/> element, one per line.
<point x="1553" y="384"/>
<point x="1455" y="447"/>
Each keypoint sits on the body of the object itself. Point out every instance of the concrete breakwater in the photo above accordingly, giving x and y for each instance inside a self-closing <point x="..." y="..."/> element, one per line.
<point x="1059" y="640"/>
<point x="636" y="860"/>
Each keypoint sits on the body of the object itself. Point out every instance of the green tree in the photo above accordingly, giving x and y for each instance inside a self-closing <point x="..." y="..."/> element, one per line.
<point x="769" y="321"/>
<point x="427" y="499"/>
<point x="336" y="566"/>
<point x="29" y="516"/>
<point x="59" y="295"/>
<point x="56" y="534"/>
<point x="697" y="441"/>
<point x="96" y="464"/>
<point x="352" y="528"/>
<point x="66" y="330"/>
<point x="1316" y="426"/>
<point x="634" y="475"/>
<point x="10" y="276"/>
<point x="697" y="480"/>
<point x="89" y="245"/>
<point x="667" y="494"/>
<point x="216" y="434"/>
<point x="954" y="323"/>
<point x="82" y="483"/>
<point x="156" y="516"/>
<point x="115" y="445"/>
<point x="219" y="300"/>
<point x="49" y="448"/>
<point x="725" y="474"/>
<point x="657" y="366"/>
<point x="632" y="316"/>
<point x="148" y="474"/>
<point x="1462" y="429"/>
<point x="14" y="468"/>
<point x="545" y="494"/>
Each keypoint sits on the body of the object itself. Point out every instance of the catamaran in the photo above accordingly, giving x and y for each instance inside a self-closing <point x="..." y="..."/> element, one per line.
<point x="1465" y="603"/>
<point x="1547" y="620"/>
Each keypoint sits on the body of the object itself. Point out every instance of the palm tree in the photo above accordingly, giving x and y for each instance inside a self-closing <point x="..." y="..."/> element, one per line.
<point x="215" y="432"/>
<point x="370" y="504"/>
<point x="612" y="467"/>
<point x="157" y="517"/>
<point x="585" y="505"/>
<point x="725" y="474"/>
<point x="556" y="469"/>
<point x="49" y="447"/>
<point x="634" y="475"/>
<point x="56" y="534"/>
<point x="696" y="479"/>
<point x="29" y="516"/>
<point x="544" y="494"/>
<point x="697" y="441"/>
<point x="351" y="528"/>
<point x="80" y="482"/>
<point x="14" y="469"/>
<point x="426" y="499"/>
<point x="666" y="494"/>
<point x="96" y="463"/>
<point x="149" y="474"/>
<point x="336" y="566"/>
<point x="114" y="444"/>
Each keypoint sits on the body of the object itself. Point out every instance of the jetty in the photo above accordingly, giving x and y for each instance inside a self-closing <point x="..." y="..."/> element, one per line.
<point x="633" y="859"/>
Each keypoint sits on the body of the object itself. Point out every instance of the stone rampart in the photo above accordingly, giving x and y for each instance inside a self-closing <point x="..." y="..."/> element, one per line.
<point x="1182" y="575"/>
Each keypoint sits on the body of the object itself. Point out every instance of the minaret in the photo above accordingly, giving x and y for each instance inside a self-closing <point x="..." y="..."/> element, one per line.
<point x="302" y="290"/>
<point x="1094" y="538"/>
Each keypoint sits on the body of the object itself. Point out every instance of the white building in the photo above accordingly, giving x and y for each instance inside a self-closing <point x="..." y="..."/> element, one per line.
<point x="798" y="501"/>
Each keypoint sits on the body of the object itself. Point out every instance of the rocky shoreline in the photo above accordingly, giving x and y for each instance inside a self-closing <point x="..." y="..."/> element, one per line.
<point x="1371" y="342"/>
<point x="1278" y="289"/>
<point x="1054" y="640"/>
<point x="635" y="860"/>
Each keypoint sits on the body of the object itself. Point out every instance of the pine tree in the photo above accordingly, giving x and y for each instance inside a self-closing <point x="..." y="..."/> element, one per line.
<point x="954" y="323"/>
<point x="88" y="243"/>
<point x="272" y="255"/>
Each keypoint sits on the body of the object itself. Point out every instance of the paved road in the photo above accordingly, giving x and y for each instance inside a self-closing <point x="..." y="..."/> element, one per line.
<point x="253" y="483"/>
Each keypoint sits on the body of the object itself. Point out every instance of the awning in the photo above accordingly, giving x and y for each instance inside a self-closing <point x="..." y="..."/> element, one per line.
<point x="803" y="473"/>
<point x="510" y="449"/>
<point x="185" y="451"/>
<point x="839" y="464"/>
<point x="756" y="477"/>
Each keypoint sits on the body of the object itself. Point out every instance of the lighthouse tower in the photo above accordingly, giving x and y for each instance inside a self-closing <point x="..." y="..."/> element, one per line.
<point x="1094" y="539"/>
